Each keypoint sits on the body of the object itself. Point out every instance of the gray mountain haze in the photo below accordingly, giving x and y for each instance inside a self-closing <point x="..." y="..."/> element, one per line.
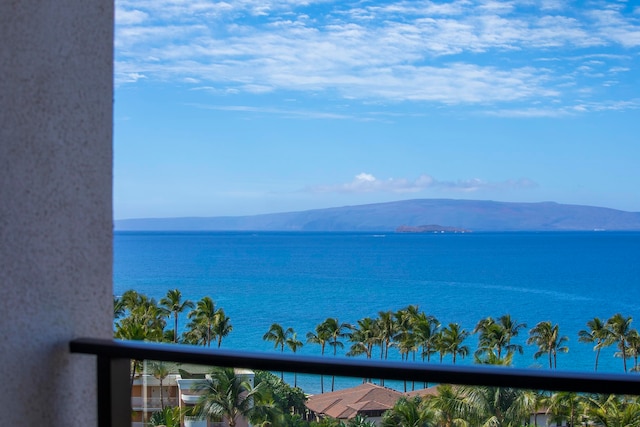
<point x="472" y="215"/>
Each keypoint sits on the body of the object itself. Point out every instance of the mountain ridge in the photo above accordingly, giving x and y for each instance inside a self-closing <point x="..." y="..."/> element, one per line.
<point x="473" y="215"/>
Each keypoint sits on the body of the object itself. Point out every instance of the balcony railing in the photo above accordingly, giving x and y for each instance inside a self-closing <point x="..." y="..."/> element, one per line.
<point x="113" y="359"/>
<point x="152" y="403"/>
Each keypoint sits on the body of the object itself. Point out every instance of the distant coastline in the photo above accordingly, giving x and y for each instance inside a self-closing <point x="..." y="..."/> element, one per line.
<point x="476" y="215"/>
<point x="432" y="228"/>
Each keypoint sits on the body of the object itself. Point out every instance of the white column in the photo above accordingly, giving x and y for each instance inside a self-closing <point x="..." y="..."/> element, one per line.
<point x="56" y="95"/>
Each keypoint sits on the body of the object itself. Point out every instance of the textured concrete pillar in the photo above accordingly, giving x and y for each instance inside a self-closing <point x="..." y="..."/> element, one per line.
<point x="56" y="93"/>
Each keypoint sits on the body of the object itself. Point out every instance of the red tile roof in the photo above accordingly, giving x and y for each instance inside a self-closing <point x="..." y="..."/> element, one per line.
<point x="348" y="403"/>
<point x="424" y="392"/>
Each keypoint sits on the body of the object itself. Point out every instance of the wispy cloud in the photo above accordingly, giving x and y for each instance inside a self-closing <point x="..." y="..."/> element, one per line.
<point x="292" y="113"/>
<point x="368" y="183"/>
<point x="475" y="52"/>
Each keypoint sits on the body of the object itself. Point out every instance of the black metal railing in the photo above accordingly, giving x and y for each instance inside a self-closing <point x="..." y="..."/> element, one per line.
<point x="114" y="356"/>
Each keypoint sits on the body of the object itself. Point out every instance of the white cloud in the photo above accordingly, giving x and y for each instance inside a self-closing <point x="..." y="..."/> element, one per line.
<point x="619" y="69"/>
<point x="290" y="113"/>
<point x="527" y="113"/>
<point x="459" y="52"/>
<point x="130" y="17"/>
<point x="121" y="78"/>
<point x="367" y="183"/>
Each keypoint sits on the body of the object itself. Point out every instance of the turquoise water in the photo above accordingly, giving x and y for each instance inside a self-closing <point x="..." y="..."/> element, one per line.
<point x="300" y="279"/>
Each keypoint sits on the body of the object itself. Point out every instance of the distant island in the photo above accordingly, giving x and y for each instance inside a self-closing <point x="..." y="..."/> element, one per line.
<point x="476" y="215"/>
<point x="432" y="228"/>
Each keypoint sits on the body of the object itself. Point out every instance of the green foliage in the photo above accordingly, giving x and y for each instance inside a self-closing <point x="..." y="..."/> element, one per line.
<point x="494" y="341"/>
<point x="208" y="324"/>
<point x="448" y="406"/>
<point x="411" y="333"/>
<point x="172" y="304"/>
<point x="549" y="341"/>
<point x="327" y="422"/>
<point x="290" y="400"/>
<point x="360" y="421"/>
<point x="229" y="395"/>
<point x="612" y="411"/>
<point x="408" y="412"/>
<point x="497" y="406"/>
<point x="294" y="420"/>
<point x="169" y="417"/>
<point x="451" y="341"/>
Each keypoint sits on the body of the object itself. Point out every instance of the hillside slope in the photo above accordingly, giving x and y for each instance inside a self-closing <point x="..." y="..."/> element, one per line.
<point x="473" y="215"/>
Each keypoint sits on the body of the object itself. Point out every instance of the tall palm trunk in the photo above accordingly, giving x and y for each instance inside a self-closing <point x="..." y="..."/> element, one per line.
<point x="333" y="377"/>
<point x="161" y="395"/>
<point x="175" y="326"/>
<point x="322" y="376"/>
<point x="282" y="351"/>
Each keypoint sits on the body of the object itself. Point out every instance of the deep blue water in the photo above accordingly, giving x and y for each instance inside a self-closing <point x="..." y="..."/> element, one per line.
<point x="300" y="279"/>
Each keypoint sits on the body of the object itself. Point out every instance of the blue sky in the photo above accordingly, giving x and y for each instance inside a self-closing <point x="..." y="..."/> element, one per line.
<point x="257" y="106"/>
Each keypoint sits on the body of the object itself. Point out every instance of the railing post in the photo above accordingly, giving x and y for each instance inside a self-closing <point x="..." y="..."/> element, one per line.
<point x="114" y="392"/>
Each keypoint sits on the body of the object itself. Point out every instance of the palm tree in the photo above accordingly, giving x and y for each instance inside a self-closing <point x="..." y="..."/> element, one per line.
<point x="173" y="303"/>
<point x="634" y="348"/>
<point x="360" y="421"/>
<point x="363" y="338"/>
<point x="144" y="323"/>
<point x="612" y="411"/>
<point x="535" y="400"/>
<point x="496" y="336"/>
<point x="387" y="329"/>
<point x="405" y="338"/>
<point x="222" y="326"/>
<point x="426" y="332"/>
<point x="497" y="406"/>
<point x="131" y="299"/>
<point x="320" y="337"/>
<point x="229" y="396"/>
<point x="118" y="308"/>
<point x="597" y="333"/>
<point x="336" y="331"/>
<point x="159" y="370"/>
<point x="130" y="330"/>
<point x="439" y="345"/>
<point x="294" y="344"/>
<point x="512" y="328"/>
<point x="490" y="336"/>
<point x="491" y="358"/>
<point x="195" y="334"/>
<point x="408" y="412"/>
<point x="148" y="318"/>
<point x="547" y="337"/>
<point x="203" y="319"/>
<point x="168" y="417"/>
<point x="452" y="338"/>
<point x="448" y="406"/>
<point x="278" y="335"/>
<point x="564" y="405"/>
<point x="407" y="344"/>
<point x="620" y="328"/>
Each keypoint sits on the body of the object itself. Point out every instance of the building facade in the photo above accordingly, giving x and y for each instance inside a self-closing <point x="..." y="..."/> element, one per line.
<point x="56" y="98"/>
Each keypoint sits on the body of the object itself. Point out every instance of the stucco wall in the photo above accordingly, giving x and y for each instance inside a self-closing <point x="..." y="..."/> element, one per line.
<point x="56" y="68"/>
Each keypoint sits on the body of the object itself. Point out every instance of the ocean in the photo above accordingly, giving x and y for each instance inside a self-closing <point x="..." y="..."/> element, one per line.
<point x="300" y="279"/>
